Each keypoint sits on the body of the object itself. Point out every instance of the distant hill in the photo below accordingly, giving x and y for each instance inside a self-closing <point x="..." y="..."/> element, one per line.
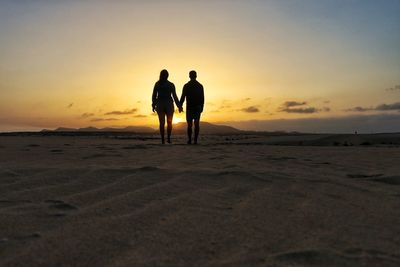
<point x="206" y="128"/>
<point x="133" y="129"/>
<point x="180" y="128"/>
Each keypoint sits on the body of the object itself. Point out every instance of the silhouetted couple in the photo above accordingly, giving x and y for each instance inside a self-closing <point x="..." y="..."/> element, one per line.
<point x="163" y="98"/>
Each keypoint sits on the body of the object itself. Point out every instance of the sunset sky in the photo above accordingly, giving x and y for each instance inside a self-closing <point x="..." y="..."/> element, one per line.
<point x="94" y="63"/>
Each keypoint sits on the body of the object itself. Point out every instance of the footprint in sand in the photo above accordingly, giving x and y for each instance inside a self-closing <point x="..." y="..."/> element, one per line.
<point x="20" y="238"/>
<point x="101" y="156"/>
<point x="62" y="207"/>
<point x="326" y="257"/>
<point x="280" y="158"/>
<point x="33" y="145"/>
<point x="135" y="147"/>
<point x="379" y="178"/>
<point x="363" y="176"/>
<point x="323" y="163"/>
<point x="56" y="151"/>
<point x="28" y="237"/>
<point x="391" y="180"/>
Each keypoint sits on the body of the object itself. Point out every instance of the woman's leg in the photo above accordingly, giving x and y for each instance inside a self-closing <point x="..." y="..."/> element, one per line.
<point x="169" y="126"/>
<point x="161" y="118"/>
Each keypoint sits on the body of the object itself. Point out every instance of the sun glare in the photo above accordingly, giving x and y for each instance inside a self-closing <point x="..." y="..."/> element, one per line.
<point x="176" y="120"/>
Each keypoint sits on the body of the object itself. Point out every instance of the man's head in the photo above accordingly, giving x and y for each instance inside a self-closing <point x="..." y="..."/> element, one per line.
<point x="192" y="75"/>
<point x="164" y="75"/>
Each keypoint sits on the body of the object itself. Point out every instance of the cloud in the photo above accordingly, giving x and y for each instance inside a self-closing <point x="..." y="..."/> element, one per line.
<point x="297" y="107"/>
<point x="251" y="109"/>
<point x="395" y="88"/>
<point x="103" y="119"/>
<point x="308" y="110"/>
<point x="70" y="105"/>
<point x="87" y="115"/>
<point x="289" y="104"/>
<point x="125" y="112"/>
<point x="225" y="107"/>
<point x="140" y="116"/>
<point x="358" y="109"/>
<point x="381" y="107"/>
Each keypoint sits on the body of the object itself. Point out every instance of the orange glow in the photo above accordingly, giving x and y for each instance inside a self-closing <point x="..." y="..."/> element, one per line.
<point x="99" y="70"/>
<point x="176" y="120"/>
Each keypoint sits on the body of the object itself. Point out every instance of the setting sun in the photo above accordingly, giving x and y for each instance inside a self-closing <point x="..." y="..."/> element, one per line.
<point x="176" y="120"/>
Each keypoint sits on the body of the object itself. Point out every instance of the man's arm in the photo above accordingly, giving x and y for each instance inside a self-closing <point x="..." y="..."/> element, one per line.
<point x="183" y="96"/>
<point x="202" y="98"/>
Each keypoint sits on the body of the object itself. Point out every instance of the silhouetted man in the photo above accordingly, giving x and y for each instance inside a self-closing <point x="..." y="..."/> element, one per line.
<point x="194" y="93"/>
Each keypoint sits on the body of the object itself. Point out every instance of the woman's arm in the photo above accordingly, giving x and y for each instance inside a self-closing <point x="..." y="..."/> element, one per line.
<point x="154" y="97"/>
<point x="178" y="104"/>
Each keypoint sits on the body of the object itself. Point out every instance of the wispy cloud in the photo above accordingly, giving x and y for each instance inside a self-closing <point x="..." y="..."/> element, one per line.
<point x="251" y="109"/>
<point x="210" y="104"/>
<point x="358" y="109"/>
<point x="125" y="112"/>
<point x="300" y="108"/>
<point x="395" y="88"/>
<point x="87" y="115"/>
<point x="140" y="116"/>
<point x="289" y="104"/>
<point x="103" y="119"/>
<point x="381" y="107"/>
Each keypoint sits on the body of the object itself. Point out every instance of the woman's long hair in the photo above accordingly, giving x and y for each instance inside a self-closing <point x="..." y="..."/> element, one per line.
<point x="164" y="75"/>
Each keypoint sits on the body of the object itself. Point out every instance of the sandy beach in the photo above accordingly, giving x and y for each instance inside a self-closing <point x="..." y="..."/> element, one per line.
<point x="97" y="201"/>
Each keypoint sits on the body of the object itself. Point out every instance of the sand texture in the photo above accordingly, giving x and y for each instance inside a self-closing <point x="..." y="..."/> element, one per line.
<point x="96" y="201"/>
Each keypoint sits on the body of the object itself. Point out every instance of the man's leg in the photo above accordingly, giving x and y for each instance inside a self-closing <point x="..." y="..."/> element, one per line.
<point x="161" y="118"/>
<point x="169" y="126"/>
<point x="196" y="130"/>
<point x="189" y="131"/>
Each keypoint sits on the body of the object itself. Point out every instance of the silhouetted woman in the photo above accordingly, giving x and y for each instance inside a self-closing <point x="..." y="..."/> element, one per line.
<point x="163" y="98"/>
